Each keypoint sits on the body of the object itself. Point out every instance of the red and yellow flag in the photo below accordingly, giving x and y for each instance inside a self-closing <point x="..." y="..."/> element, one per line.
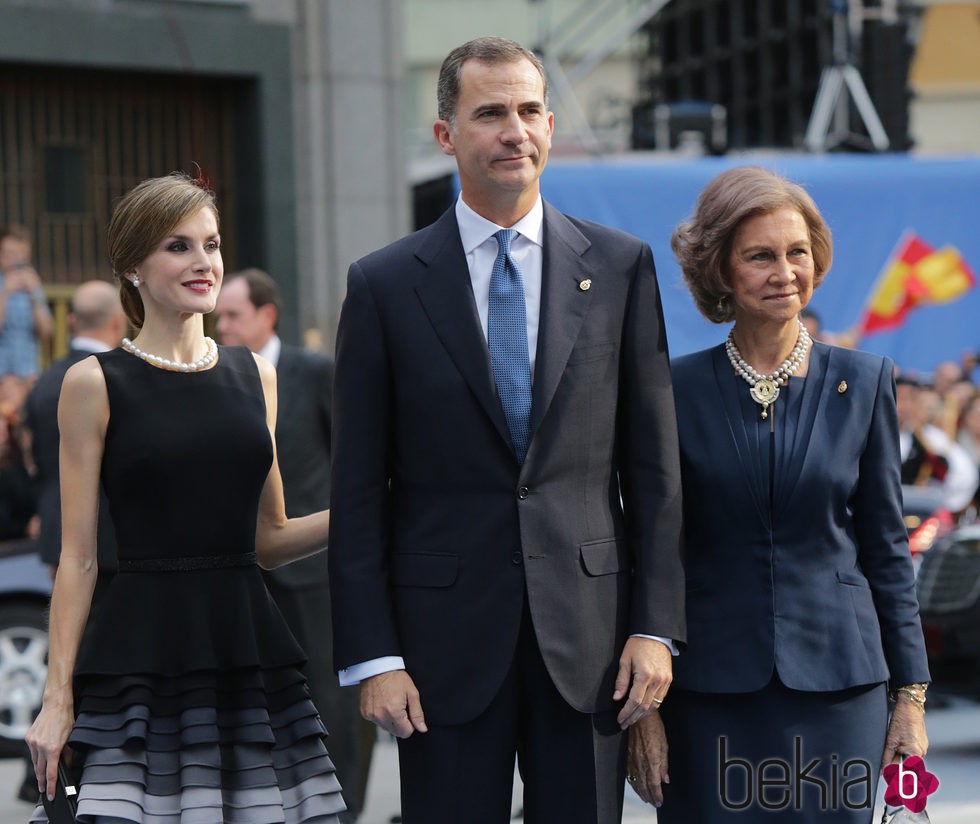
<point x="915" y="274"/>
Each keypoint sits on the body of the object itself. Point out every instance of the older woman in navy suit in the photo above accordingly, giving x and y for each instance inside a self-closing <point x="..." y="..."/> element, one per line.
<point x="801" y="605"/>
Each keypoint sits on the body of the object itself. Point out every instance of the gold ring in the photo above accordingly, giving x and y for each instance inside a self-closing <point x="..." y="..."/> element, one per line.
<point x="658" y="701"/>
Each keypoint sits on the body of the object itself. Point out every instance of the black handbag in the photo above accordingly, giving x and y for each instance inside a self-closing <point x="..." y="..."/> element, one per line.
<point x="63" y="808"/>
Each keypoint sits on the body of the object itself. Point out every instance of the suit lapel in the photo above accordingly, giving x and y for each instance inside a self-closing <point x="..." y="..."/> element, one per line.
<point x="728" y="388"/>
<point x="446" y="295"/>
<point x="813" y="396"/>
<point x="563" y="307"/>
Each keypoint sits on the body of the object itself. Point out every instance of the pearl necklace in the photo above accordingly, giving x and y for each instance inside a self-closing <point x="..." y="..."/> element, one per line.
<point x="764" y="389"/>
<point x="174" y="366"/>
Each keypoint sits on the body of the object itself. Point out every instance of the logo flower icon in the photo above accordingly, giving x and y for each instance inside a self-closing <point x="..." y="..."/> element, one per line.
<point x="909" y="784"/>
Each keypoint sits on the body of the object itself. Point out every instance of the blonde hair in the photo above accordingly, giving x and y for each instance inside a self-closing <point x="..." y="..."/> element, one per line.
<point x="145" y="216"/>
<point x="703" y="242"/>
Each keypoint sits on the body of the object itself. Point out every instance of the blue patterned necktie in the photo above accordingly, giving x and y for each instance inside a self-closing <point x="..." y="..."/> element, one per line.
<point x="507" y="339"/>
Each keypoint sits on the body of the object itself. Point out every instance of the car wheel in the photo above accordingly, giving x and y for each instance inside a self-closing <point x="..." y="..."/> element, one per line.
<point x="23" y="669"/>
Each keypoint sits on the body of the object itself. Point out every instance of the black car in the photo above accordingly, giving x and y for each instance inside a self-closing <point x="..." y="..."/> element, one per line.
<point x="25" y="589"/>
<point x="948" y="586"/>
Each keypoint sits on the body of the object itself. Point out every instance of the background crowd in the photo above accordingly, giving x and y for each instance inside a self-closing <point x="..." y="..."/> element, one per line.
<point x="939" y="417"/>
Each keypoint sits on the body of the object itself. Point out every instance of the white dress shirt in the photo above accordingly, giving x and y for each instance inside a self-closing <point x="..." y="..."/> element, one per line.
<point x="960" y="483"/>
<point x="480" y="246"/>
<point x="84" y="344"/>
<point x="272" y="350"/>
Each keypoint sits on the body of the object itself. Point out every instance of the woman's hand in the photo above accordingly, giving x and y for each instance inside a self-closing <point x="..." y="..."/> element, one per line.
<point x="646" y="763"/>
<point x="46" y="739"/>
<point x="906" y="732"/>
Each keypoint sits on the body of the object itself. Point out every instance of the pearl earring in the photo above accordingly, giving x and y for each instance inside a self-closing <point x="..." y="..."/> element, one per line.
<point x="136" y="281"/>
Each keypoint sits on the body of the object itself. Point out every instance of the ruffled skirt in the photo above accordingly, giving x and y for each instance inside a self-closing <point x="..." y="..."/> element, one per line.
<point x="236" y="747"/>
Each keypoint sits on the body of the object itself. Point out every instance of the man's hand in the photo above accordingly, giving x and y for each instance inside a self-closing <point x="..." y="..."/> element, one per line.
<point x="391" y="701"/>
<point x="646" y="665"/>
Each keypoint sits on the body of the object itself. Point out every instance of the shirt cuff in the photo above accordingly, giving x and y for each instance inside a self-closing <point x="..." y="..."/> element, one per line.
<point x="667" y="642"/>
<point x="368" y="669"/>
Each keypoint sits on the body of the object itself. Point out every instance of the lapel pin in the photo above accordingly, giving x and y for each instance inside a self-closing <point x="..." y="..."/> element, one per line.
<point x="842" y="387"/>
<point x="585" y="285"/>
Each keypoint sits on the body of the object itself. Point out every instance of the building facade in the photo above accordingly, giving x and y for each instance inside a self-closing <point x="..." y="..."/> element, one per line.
<point x="312" y="119"/>
<point x="288" y="109"/>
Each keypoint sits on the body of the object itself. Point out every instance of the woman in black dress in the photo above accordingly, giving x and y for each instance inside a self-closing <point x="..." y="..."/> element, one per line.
<point x="801" y="606"/>
<point x="184" y="697"/>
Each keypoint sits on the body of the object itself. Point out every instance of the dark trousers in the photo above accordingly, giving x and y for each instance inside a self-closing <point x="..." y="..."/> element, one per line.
<point x="572" y="764"/>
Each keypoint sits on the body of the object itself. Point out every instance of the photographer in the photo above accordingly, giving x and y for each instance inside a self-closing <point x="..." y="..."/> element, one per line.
<point x="24" y="315"/>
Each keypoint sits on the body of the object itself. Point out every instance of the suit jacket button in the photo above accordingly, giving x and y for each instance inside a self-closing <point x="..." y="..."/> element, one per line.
<point x="517" y="558"/>
<point x="523" y="492"/>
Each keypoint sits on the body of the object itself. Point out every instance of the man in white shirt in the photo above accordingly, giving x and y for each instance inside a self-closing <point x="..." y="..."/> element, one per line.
<point x="505" y="554"/>
<point x="248" y="315"/>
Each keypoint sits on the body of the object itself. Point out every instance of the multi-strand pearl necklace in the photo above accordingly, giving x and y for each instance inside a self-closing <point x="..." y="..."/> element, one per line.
<point x="764" y="389"/>
<point x="174" y="366"/>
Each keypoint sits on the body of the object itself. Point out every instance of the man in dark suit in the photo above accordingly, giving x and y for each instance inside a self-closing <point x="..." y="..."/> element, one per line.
<point x="97" y="324"/>
<point x="505" y="554"/>
<point x="248" y="313"/>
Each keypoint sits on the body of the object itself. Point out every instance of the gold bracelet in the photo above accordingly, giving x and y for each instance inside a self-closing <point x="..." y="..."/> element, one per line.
<point x="916" y="694"/>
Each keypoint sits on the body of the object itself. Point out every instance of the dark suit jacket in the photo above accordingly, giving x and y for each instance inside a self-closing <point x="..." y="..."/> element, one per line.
<point x="42" y="420"/>
<point x="300" y="590"/>
<point x="437" y="533"/>
<point x="305" y="388"/>
<point x="820" y="585"/>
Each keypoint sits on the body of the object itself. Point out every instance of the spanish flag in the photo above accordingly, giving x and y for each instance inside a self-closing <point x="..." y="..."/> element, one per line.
<point x="916" y="274"/>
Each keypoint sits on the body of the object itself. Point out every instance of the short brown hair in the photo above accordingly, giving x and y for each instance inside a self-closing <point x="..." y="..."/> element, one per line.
<point x="703" y="242"/>
<point x="491" y="50"/>
<point x="15" y="231"/>
<point x="143" y="217"/>
<point x="262" y="289"/>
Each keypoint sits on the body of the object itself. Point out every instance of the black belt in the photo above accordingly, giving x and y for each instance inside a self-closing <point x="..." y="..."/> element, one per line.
<point x="187" y="564"/>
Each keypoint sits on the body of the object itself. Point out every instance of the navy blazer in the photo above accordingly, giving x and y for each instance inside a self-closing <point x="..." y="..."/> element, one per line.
<point x="819" y="584"/>
<point x="438" y="537"/>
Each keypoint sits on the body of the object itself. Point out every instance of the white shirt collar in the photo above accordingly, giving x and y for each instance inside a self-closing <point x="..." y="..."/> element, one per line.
<point x="85" y="344"/>
<point x="475" y="230"/>
<point x="272" y="350"/>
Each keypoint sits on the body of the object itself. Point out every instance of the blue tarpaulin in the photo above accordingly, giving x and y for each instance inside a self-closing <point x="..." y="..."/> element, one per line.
<point x="869" y="201"/>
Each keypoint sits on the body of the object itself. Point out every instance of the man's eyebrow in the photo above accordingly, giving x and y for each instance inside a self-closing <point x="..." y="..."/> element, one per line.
<point x="488" y="107"/>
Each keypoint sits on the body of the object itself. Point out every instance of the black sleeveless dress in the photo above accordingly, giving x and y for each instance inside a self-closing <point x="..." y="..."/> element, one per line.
<point x="191" y="707"/>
